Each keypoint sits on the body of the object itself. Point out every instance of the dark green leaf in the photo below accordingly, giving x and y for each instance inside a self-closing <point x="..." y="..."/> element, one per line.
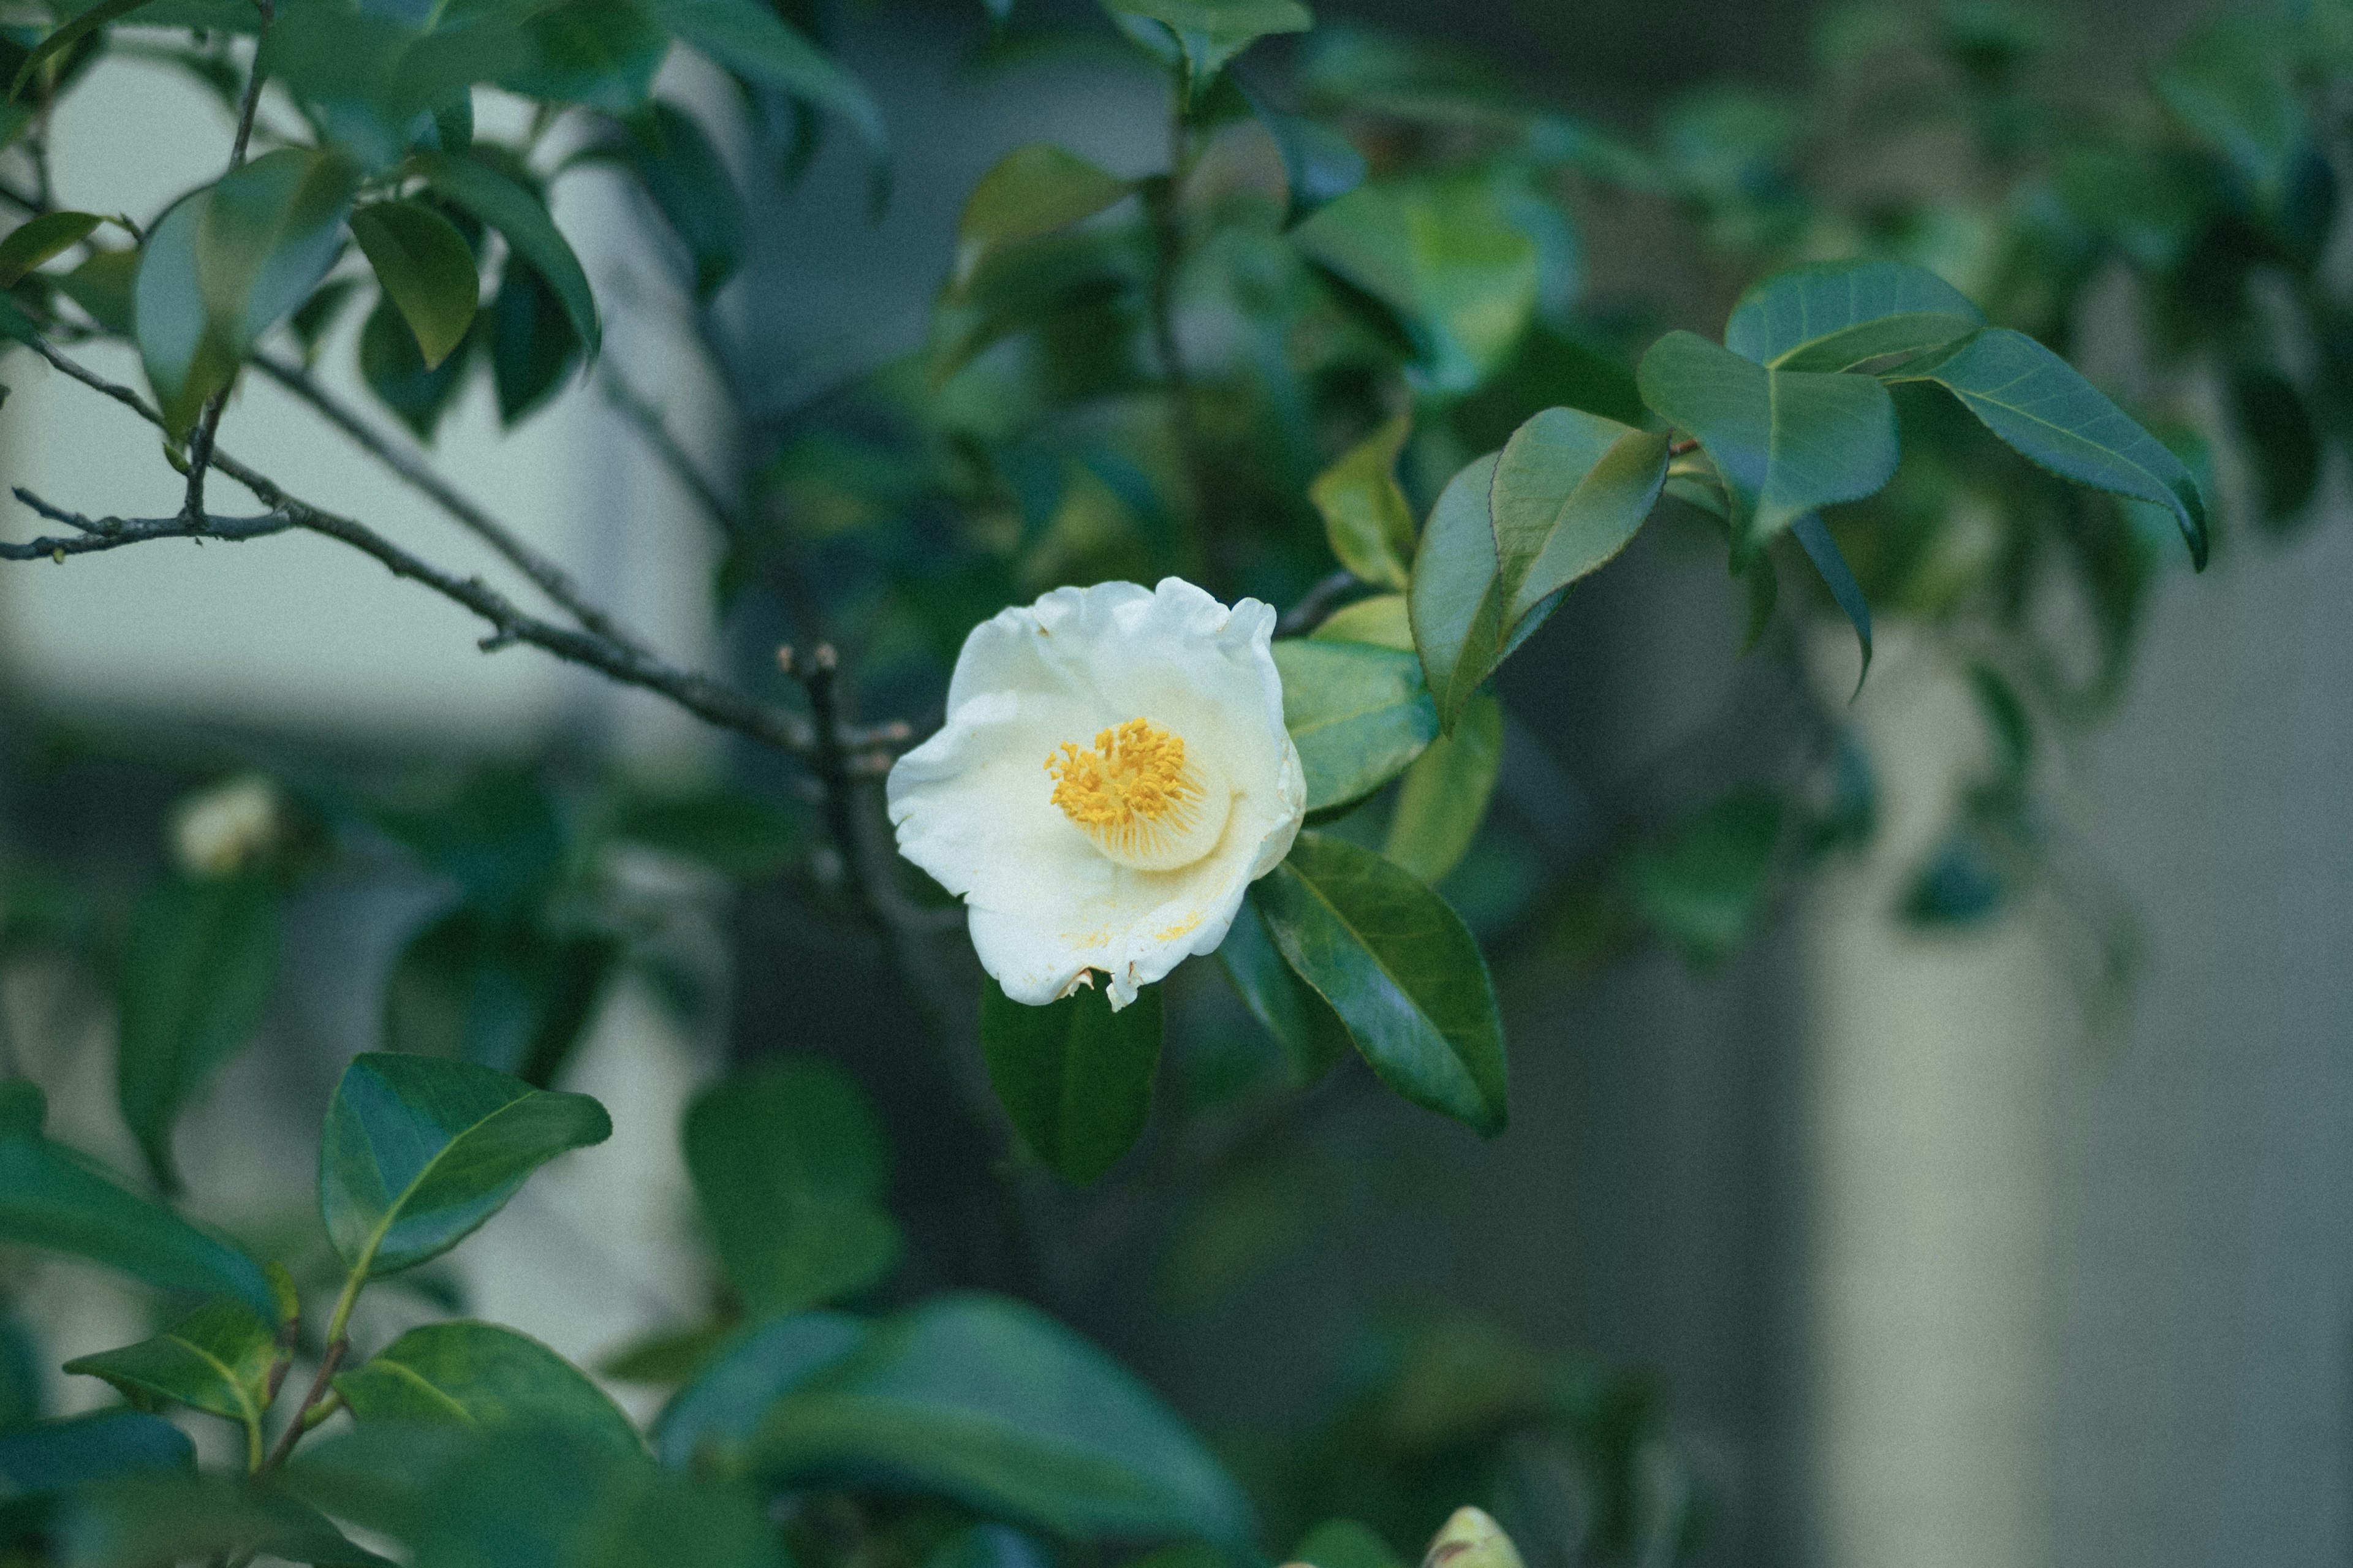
<point x="1702" y="885"/>
<point x="1835" y="315"/>
<point x="710" y="1419"/>
<point x="481" y="1376"/>
<point x="23" y="1108"/>
<point x="1358" y="714"/>
<point x="600" y="53"/>
<point x="1074" y="1076"/>
<point x="395" y="370"/>
<point x="1030" y="192"/>
<point x="521" y="218"/>
<point x="186" y="362"/>
<point x="70" y="33"/>
<point x="790" y="1169"/>
<point x="748" y="39"/>
<point x="48" y="236"/>
<point x="1839" y="578"/>
<point x="1456" y="602"/>
<point x="52" y="1197"/>
<point x="1303" y="1024"/>
<point x="193" y="989"/>
<point x="102" y="287"/>
<point x="991" y="1402"/>
<point x="667" y="1357"/>
<point x="23" y="1391"/>
<point x="1401" y="970"/>
<point x="1344" y="1543"/>
<point x="1547" y="370"/>
<point x="695" y="194"/>
<point x="52" y="1457"/>
<point x="1365" y="516"/>
<point x="2279" y="434"/>
<point x="533" y="343"/>
<point x="426" y="268"/>
<point x="1784" y="442"/>
<point x="503" y="993"/>
<point x="216" y="1360"/>
<point x="157" y="1521"/>
<point x="1444" y="797"/>
<point x="1319" y="165"/>
<point x="1211" y="32"/>
<point x="1570" y="489"/>
<point x="419" y="1151"/>
<point x="736" y="835"/>
<point x="267" y="234"/>
<point x="316" y="316"/>
<point x="2231" y="82"/>
<point x="2038" y="405"/>
<point x="499" y="836"/>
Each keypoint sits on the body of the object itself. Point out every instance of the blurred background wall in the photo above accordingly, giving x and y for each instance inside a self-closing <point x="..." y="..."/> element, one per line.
<point x="1936" y="1271"/>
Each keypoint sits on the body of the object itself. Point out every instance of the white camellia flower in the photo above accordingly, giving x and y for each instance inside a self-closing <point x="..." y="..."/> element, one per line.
<point x="1112" y="774"/>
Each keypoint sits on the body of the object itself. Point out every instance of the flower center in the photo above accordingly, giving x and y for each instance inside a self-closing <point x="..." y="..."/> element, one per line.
<point x="1135" y="792"/>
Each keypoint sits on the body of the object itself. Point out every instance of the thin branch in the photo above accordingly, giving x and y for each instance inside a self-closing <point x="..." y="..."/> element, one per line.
<point x="633" y="405"/>
<point x="697" y="693"/>
<point x="207" y="430"/>
<point x="300" y="1424"/>
<point x="115" y="532"/>
<point x="545" y="574"/>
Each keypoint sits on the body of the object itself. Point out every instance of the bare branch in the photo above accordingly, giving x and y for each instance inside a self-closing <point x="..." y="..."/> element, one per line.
<point x="115" y="532"/>
<point x="545" y="574"/>
<point x="633" y="406"/>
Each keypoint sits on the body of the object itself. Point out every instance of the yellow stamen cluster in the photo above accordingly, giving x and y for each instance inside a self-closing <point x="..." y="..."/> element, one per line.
<point x="1133" y="793"/>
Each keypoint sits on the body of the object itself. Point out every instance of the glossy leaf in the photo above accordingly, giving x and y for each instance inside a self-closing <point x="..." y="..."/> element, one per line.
<point x="1030" y="192"/>
<point x="1784" y="442"/>
<point x="790" y="1169"/>
<point x="193" y="989"/>
<point x="1365" y="516"/>
<point x="992" y="1404"/>
<point x="1358" y="714"/>
<point x="54" y="1198"/>
<point x="1570" y="490"/>
<point x="1456" y="601"/>
<point x="217" y="1359"/>
<point x="48" y="236"/>
<point x="395" y="370"/>
<point x="503" y="993"/>
<point x="712" y="1418"/>
<point x="521" y="218"/>
<point x="1835" y="315"/>
<point x="532" y="344"/>
<point x="1400" y="969"/>
<point x="424" y="267"/>
<point x="1302" y="1023"/>
<point x="756" y="43"/>
<point x="185" y="361"/>
<point x="481" y="1376"/>
<point x="694" y="192"/>
<point x="603" y="54"/>
<point x="1444" y="797"/>
<point x="2044" y="409"/>
<point x="1829" y="564"/>
<point x="156" y="1520"/>
<point x="1382" y="620"/>
<point x="1074" y="1077"/>
<point x="47" y="1458"/>
<point x="70" y="33"/>
<point x="419" y="1151"/>
<point x="267" y="234"/>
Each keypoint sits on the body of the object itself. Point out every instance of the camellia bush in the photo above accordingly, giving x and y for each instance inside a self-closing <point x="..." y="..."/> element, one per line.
<point x="1152" y="611"/>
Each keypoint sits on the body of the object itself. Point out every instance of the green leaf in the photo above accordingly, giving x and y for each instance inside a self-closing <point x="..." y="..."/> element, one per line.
<point x="2282" y="442"/>
<point x="695" y="194"/>
<point x="419" y="1151"/>
<point x="503" y="993"/>
<point x="1074" y="1077"/>
<point x="1835" y="315"/>
<point x="533" y="343"/>
<point x="1344" y="1543"/>
<point x="23" y="1108"/>
<point x="1382" y="620"/>
<point x="1401" y="970"/>
<point x="53" y="1197"/>
<point x="1030" y="192"/>
<point x="1320" y="166"/>
<point x="267" y="234"/>
<point x="498" y="836"/>
<point x="426" y="268"/>
<point x="1784" y="442"/>
<point x="1366" y="516"/>
<point x="481" y="1376"/>
<point x="50" y="1456"/>
<point x="395" y="370"/>
<point x="1444" y="797"/>
<point x="2231" y="82"/>
<point x="1358" y="714"/>
<point x="1211" y="32"/>
<point x="521" y="218"/>
<point x="790" y="1169"/>
<point x="1303" y="1024"/>
<point x="48" y="236"/>
<point x="186" y="362"/>
<point x="738" y="835"/>
<point x="756" y="43"/>
<point x="1702" y="885"/>
<point x="600" y="53"/>
<point x="193" y="989"/>
<point x="216" y="1360"/>
<point x="156" y="1520"/>
<point x="994" y="1405"/>
<point x="70" y="33"/>
<point x="2044" y="410"/>
<point x="712" y="1418"/>
<point x="1570" y="489"/>
<point x="1456" y="601"/>
<point x="1839" y="578"/>
<point x="102" y="287"/>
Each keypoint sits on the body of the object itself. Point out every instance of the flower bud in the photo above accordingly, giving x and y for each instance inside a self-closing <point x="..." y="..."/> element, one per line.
<point x="1472" y="1540"/>
<point x="229" y="828"/>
